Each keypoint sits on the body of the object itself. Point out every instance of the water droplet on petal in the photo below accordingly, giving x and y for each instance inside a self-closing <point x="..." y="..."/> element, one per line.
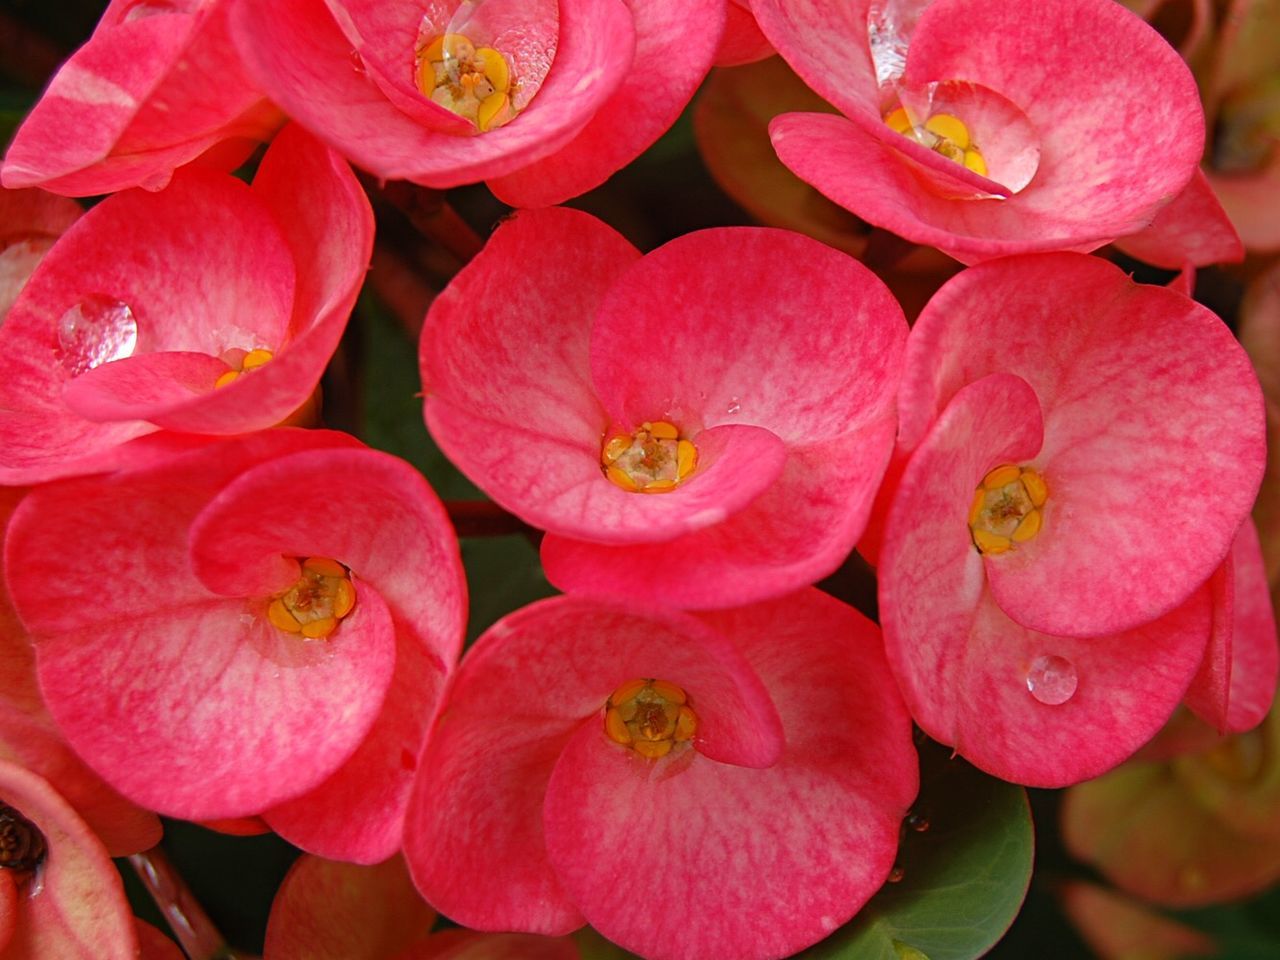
<point x="150" y="8"/>
<point x="95" y="331"/>
<point x="917" y="822"/>
<point x="896" y="874"/>
<point x="1052" y="680"/>
<point x="734" y="406"/>
<point x="357" y="62"/>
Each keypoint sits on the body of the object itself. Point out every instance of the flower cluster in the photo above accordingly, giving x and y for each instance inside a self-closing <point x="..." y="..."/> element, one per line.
<point x="216" y="609"/>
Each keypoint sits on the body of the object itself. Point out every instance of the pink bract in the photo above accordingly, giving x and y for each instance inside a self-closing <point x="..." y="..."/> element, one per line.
<point x="72" y="904"/>
<point x="567" y="823"/>
<point x="1055" y="660"/>
<point x="1088" y="122"/>
<point x="183" y="694"/>
<point x="29" y="738"/>
<point x="559" y="333"/>
<point x="134" y="315"/>
<point x="156" y="87"/>
<point x="599" y="82"/>
<point x="32" y="220"/>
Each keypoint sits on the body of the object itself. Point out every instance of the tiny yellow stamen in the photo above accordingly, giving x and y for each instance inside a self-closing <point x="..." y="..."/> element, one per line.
<point x="650" y="716"/>
<point x="1000" y="476"/>
<point x="1036" y="488"/>
<point x="949" y="128"/>
<point x="1005" y="510"/>
<point x="322" y="595"/>
<point x="250" y="361"/>
<point x="899" y="121"/>
<point x="942" y="133"/>
<point x="652" y="460"/>
<point x="1028" y="528"/>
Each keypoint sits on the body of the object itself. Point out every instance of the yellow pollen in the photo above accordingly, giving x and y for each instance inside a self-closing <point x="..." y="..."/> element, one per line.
<point x="251" y="361"/>
<point x="312" y="607"/>
<point x="473" y="82"/>
<point x="941" y="133"/>
<point x="1006" y="508"/>
<point x="654" y="459"/>
<point x="649" y="716"/>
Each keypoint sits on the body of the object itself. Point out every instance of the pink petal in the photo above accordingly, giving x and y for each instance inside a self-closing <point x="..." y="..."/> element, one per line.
<point x="145" y="96"/>
<point x="676" y="41"/>
<point x="470" y="945"/>
<point x="135" y="388"/>
<point x="798" y="531"/>
<point x="199" y="706"/>
<point x="742" y="41"/>
<point x="1191" y="229"/>
<point x="303" y="60"/>
<point x="1131" y="398"/>
<point x="154" y="945"/>
<point x="525" y="687"/>
<point x="338" y="911"/>
<point x="822" y="824"/>
<point x="1237" y="681"/>
<point x="842" y="73"/>
<point x="73" y="906"/>
<point x="821" y="360"/>
<point x="395" y="536"/>
<point x="96" y="93"/>
<point x="968" y="671"/>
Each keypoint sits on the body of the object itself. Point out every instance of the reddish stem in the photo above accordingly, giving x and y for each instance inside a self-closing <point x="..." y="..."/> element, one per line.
<point x="195" y="932"/>
<point x="432" y="216"/>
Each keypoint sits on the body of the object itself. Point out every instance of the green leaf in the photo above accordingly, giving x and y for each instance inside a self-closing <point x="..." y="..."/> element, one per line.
<point x="391" y="403"/>
<point x="963" y="878"/>
<point x="503" y="574"/>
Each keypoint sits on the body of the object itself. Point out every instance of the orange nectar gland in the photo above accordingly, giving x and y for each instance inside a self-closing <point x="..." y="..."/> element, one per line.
<point x="471" y="81"/>
<point x="1006" y="508"/>
<point x="252" y="361"/>
<point x="322" y="596"/>
<point x="941" y="133"/>
<point x="652" y="460"/>
<point x="649" y="716"/>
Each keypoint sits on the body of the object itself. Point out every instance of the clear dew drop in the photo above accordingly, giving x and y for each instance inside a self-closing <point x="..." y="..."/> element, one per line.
<point x="1052" y="680"/>
<point x="917" y="822"/>
<point x="734" y="406"/>
<point x="357" y="63"/>
<point x="150" y="8"/>
<point x="95" y="331"/>
<point x="896" y="874"/>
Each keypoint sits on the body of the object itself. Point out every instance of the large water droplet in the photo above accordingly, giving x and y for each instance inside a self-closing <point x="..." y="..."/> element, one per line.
<point x="151" y="8"/>
<point x="1052" y="680"/>
<point x="95" y="331"/>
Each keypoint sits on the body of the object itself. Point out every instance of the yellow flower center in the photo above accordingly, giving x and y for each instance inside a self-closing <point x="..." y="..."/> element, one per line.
<point x="250" y="361"/>
<point x="322" y="596"/>
<point x="1006" y="508"/>
<point x="473" y="82"/>
<point x="654" y="459"/>
<point x="942" y="133"/>
<point x="649" y="716"/>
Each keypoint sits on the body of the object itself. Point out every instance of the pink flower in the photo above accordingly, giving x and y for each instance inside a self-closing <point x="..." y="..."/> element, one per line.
<point x="60" y="894"/>
<point x="136" y="321"/>
<point x="266" y="627"/>
<point x="545" y="100"/>
<point x="340" y="911"/>
<point x="985" y="127"/>
<point x="754" y="765"/>
<point x="29" y="738"/>
<point x="33" y="220"/>
<point x="691" y="425"/>
<point x="1085" y="451"/>
<point x="157" y="86"/>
